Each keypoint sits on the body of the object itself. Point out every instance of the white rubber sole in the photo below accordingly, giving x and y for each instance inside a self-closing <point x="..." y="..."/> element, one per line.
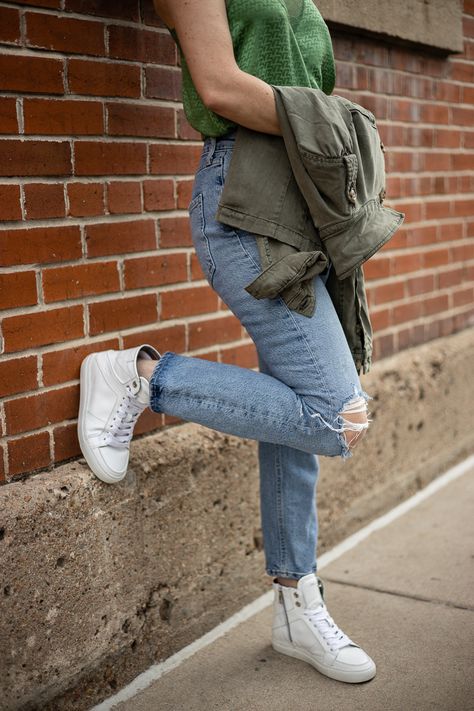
<point x="88" y="453"/>
<point x="350" y="676"/>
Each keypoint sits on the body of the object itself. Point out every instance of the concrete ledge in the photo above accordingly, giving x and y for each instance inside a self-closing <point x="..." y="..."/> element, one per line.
<point x="431" y="23"/>
<point x="98" y="582"/>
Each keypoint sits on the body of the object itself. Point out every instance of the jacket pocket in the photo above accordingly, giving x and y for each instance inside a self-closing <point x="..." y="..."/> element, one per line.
<point x="335" y="179"/>
<point x="199" y="237"/>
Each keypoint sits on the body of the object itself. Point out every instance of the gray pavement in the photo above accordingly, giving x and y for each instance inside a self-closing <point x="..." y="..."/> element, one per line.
<point x="405" y="594"/>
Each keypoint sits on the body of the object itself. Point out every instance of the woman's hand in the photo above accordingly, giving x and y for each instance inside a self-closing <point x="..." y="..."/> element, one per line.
<point x="203" y="32"/>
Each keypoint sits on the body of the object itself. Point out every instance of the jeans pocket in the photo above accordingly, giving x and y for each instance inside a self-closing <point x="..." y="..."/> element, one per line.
<point x="199" y="237"/>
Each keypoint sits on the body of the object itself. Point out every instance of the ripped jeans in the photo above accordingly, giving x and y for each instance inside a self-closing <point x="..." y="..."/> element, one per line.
<point x="293" y="405"/>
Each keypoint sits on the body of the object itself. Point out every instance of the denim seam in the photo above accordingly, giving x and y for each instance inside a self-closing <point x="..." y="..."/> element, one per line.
<point x="279" y="502"/>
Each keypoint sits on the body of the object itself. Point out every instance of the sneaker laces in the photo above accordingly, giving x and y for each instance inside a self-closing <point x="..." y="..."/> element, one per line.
<point x="120" y="430"/>
<point x="322" y="620"/>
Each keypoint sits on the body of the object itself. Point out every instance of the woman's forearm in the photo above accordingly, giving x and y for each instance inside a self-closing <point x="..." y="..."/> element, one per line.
<point x="246" y="100"/>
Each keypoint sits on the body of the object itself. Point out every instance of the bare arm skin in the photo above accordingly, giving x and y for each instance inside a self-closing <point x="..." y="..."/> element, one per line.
<point x="203" y="32"/>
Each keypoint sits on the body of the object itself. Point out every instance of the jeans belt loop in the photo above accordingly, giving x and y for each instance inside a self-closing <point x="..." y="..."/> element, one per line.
<point x="212" y="148"/>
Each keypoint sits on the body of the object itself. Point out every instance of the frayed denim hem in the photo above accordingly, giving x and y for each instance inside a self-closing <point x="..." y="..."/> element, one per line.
<point x="156" y="386"/>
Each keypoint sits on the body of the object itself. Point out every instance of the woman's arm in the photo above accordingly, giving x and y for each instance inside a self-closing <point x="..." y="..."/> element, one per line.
<point x="203" y="32"/>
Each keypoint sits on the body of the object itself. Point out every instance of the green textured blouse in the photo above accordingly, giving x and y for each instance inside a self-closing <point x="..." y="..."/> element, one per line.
<point x="283" y="42"/>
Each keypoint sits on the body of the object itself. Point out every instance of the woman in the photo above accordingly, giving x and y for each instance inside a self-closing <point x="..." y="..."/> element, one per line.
<point x="307" y="399"/>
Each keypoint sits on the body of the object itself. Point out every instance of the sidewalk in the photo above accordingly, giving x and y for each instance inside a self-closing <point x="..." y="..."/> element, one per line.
<point x="405" y="594"/>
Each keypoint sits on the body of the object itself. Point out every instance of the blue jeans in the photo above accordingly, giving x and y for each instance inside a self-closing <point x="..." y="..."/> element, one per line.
<point x="293" y="405"/>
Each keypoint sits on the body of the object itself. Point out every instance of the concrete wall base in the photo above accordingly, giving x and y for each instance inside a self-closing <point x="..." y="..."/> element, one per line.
<point x="98" y="582"/>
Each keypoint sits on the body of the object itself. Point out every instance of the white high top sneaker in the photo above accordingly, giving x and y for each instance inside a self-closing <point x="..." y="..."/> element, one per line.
<point x="113" y="395"/>
<point x="303" y="628"/>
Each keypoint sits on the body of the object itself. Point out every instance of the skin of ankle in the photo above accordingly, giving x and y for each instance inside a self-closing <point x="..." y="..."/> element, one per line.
<point x="146" y="367"/>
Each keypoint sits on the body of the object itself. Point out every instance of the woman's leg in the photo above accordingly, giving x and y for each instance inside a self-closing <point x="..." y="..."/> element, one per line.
<point x="288" y="479"/>
<point x="294" y="407"/>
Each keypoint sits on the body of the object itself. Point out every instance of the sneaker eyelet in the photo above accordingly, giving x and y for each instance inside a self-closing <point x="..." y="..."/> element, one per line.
<point x="298" y="604"/>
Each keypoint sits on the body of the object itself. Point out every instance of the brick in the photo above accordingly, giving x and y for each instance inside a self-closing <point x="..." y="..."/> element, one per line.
<point x="175" y="232"/>
<point x="463" y="252"/>
<point x="31" y="74"/>
<point x="388" y="292"/>
<point x="245" y="356"/>
<point x="64" y="365"/>
<point x="380" y="319"/>
<point x="43" y="327"/>
<point x="434" y="305"/>
<point x="462" y="161"/>
<point x="203" y="334"/>
<point x="122" y="313"/>
<point x="26" y="454"/>
<point x="461" y="71"/>
<point x="174" y="159"/>
<point x="435" y="258"/>
<point x="96" y="78"/>
<point x="10" y="207"/>
<point x="80" y="280"/>
<point x="148" y="422"/>
<point x="44" y="200"/>
<point x="438" y="162"/>
<point x="158" y="195"/>
<point x="53" y="4"/>
<point x="8" y="119"/>
<point x="447" y="139"/>
<point x="124" y="197"/>
<point x="196" y="269"/>
<point x="155" y="270"/>
<point x="185" y="131"/>
<point x="44" y="158"/>
<point x="384" y="346"/>
<point x="120" y="237"/>
<point x="140" y="45"/>
<point x="168" y="338"/>
<point x="140" y="120"/>
<point x="437" y="209"/>
<point x="463" y="296"/>
<point x="420" y="284"/>
<point x="450" y="278"/>
<point x="377" y="267"/>
<point x="9" y="25"/>
<point x="100" y="158"/>
<point x="462" y="116"/>
<point x="17" y="289"/>
<point x="18" y="375"/>
<point x="188" y="302"/>
<point x="86" y="199"/>
<point x="405" y="110"/>
<point x="149" y="15"/>
<point x="39" y="245"/>
<point x="185" y="189"/>
<point x="406" y="312"/>
<point x="434" y="113"/>
<point x="124" y="10"/>
<point x="24" y="414"/>
<point x="401" y="264"/>
<point x="64" y="34"/>
<point x="65" y="118"/>
<point x="163" y="83"/>
<point x="66" y="442"/>
<point x="446" y="91"/>
<point x="463" y="208"/>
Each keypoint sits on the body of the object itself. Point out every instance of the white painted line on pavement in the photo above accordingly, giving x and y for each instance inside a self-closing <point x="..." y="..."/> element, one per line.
<point x="145" y="679"/>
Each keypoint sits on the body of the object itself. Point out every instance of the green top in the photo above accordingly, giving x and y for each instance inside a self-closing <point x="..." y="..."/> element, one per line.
<point x="283" y="42"/>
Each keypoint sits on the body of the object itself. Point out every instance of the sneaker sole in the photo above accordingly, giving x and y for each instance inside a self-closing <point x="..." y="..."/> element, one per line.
<point x="351" y="677"/>
<point x="88" y="453"/>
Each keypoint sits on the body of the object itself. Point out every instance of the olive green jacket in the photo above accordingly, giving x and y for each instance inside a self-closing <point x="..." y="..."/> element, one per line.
<point x="313" y="197"/>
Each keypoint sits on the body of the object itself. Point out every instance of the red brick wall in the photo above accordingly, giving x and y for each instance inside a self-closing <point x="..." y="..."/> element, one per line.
<point x="96" y="164"/>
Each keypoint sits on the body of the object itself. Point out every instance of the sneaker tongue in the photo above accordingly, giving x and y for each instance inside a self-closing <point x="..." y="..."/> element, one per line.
<point x="143" y="395"/>
<point x="310" y="590"/>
